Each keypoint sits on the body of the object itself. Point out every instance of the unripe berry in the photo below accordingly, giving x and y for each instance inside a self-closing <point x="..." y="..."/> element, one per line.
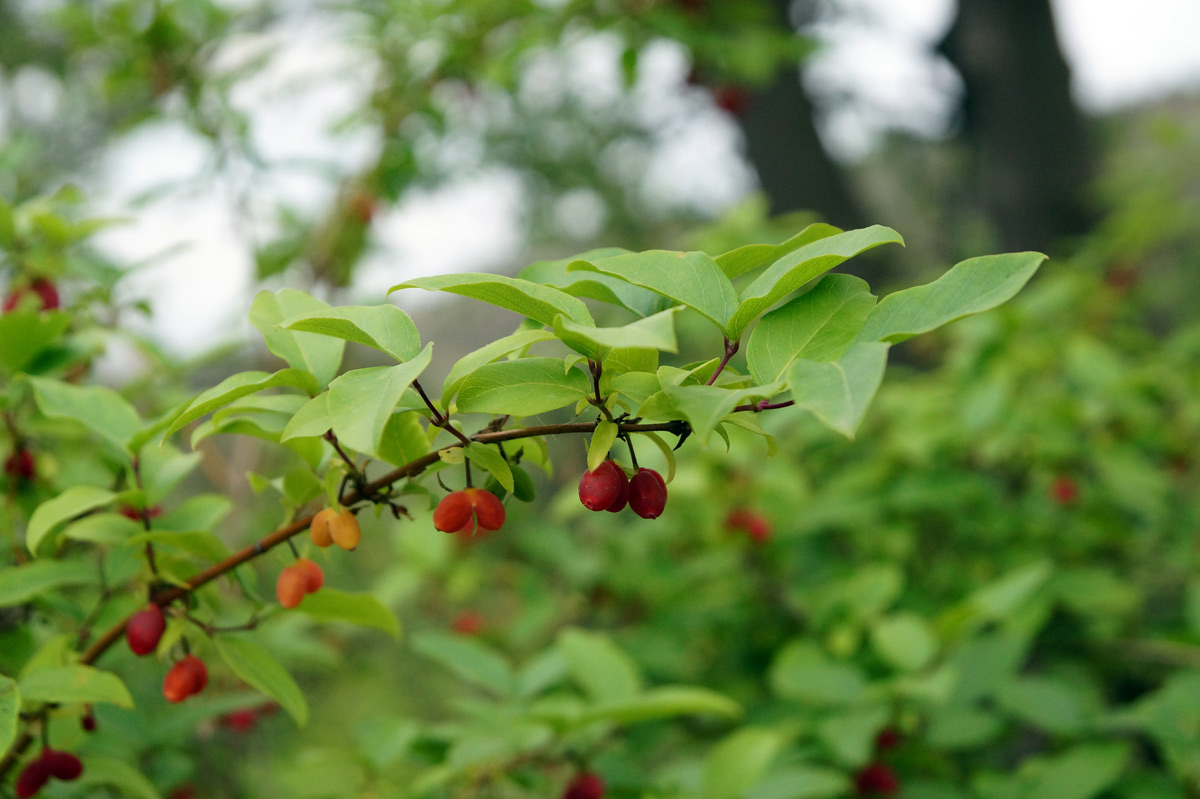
<point x="647" y="494"/>
<point x="20" y="466"/>
<point x="601" y="487"/>
<point x="145" y="629"/>
<point x="290" y="588"/>
<point x="345" y="530"/>
<point x="319" y="529"/>
<point x="187" y="677"/>
<point x="876" y="779"/>
<point x="586" y="785"/>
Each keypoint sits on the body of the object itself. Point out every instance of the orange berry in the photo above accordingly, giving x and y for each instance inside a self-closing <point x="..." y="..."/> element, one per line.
<point x="489" y="510"/>
<point x="454" y="512"/>
<point x="319" y="529"/>
<point x="314" y="577"/>
<point x="291" y="587"/>
<point x="345" y="530"/>
<point x="187" y="677"/>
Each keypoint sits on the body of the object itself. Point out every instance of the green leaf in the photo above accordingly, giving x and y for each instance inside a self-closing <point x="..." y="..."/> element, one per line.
<point x="69" y="504"/>
<point x="259" y="668"/>
<point x="404" y="439"/>
<point x="364" y="610"/>
<point x="492" y="352"/>
<point x="1082" y="772"/>
<point x="797" y="268"/>
<point x="489" y="458"/>
<point x="19" y="584"/>
<point x="1055" y="705"/>
<point x="802" y="671"/>
<point x="602" y="441"/>
<point x="905" y="640"/>
<point x="739" y="762"/>
<point x="382" y="327"/>
<point x="241" y="385"/>
<point x="593" y="285"/>
<point x="524" y="387"/>
<point x="25" y="334"/>
<point x="195" y="542"/>
<point x="669" y="701"/>
<point x="743" y="259"/>
<point x="819" y="325"/>
<point x="599" y="665"/>
<point x="850" y="736"/>
<point x="802" y="782"/>
<point x="10" y="711"/>
<point x="838" y="393"/>
<point x="690" y="278"/>
<point x="469" y="660"/>
<point x="1001" y="597"/>
<point x="308" y="352"/>
<point x="361" y="401"/>
<point x="312" y="419"/>
<point x="100" y="409"/>
<point x="536" y="301"/>
<point x="109" y="771"/>
<point x="74" y="684"/>
<point x="705" y="406"/>
<point x="653" y="332"/>
<point x="972" y="286"/>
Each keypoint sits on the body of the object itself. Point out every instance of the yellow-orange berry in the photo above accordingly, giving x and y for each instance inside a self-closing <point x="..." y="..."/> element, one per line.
<point x="319" y="529"/>
<point x="345" y="530"/>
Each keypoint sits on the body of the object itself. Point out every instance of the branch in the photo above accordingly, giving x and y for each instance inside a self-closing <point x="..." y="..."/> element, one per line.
<point x="731" y="348"/>
<point x="764" y="405"/>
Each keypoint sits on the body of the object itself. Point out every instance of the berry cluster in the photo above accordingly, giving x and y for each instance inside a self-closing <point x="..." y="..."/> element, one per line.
<point x="607" y="488"/>
<point x="143" y="632"/>
<point x="46" y="766"/>
<point x="298" y="581"/>
<point x="465" y="511"/>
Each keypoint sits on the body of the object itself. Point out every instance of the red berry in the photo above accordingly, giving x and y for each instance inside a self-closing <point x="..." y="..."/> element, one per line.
<point x="21" y="466"/>
<point x="43" y="288"/>
<point x="1064" y="490"/>
<point x="290" y="588"/>
<point x="453" y="512"/>
<point x="88" y="720"/>
<point x="145" y="629"/>
<point x="187" y="677"/>
<point x="749" y="522"/>
<point x="876" y="778"/>
<point x="31" y="779"/>
<point x="601" y="487"/>
<point x="586" y="785"/>
<point x="469" y="622"/>
<point x="622" y="499"/>
<point x="489" y="510"/>
<point x="62" y="765"/>
<point x="647" y="494"/>
<point x="731" y="99"/>
<point x="183" y="792"/>
<point x="888" y="738"/>
<point x="314" y="577"/>
<point x="239" y="721"/>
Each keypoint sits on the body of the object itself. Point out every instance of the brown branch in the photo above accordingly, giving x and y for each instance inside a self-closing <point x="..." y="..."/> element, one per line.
<point x="731" y="348"/>
<point x="764" y="405"/>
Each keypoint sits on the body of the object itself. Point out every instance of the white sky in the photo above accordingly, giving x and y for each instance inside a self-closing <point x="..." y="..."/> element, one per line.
<point x="878" y="55"/>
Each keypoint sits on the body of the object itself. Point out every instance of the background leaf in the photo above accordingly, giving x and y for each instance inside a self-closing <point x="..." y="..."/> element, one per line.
<point x="839" y="393"/>
<point x="530" y="299"/>
<point x="361" y="402"/>
<point x="318" y="355"/>
<point x="523" y="387"/>
<point x="363" y="610"/>
<point x="382" y="327"/>
<point x="74" y="684"/>
<point x="259" y="668"/>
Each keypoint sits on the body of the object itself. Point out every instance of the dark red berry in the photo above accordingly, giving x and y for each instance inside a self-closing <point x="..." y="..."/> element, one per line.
<point x="750" y="523"/>
<point x="145" y="629"/>
<point x="88" y="720"/>
<point x="31" y="779"/>
<point x="469" y="622"/>
<point x="647" y="494"/>
<point x="187" y="677"/>
<point x="622" y="499"/>
<point x="600" y="488"/>
<point x="20" y="466"/>
<point x="731" y="99"/>
<point x="62" y="765"/>
<point x="43" y="288"/>
<point x="239" y="721"/>
<point x="876" y="779"/>
<point x="586" y="785"/>
<point x="888" y="738"/>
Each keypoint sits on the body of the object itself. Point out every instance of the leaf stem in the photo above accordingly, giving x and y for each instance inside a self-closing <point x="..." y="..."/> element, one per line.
<point x="731" y="348"/>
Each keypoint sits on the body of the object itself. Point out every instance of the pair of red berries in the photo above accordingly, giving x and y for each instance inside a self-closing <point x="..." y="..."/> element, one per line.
<point x="750" y="523"/>
<point x="465" y="511"/>
<point x="187" y="677"/>
<point x="143" y="632"/>
<point x="298" y="581"/>
<point x="607" y="488"/>
<point x="49" y="764"/>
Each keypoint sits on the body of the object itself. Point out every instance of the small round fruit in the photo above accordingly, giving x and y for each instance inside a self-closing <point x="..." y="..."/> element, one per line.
<point x="647" y="494"/>
<point x="31" y="779"/>
<point x="469" y="622"/>
<point x="888" y="738"/>
<point x="63" y="765"/>
<point x="876" y="779"/>
<point x="319" y="529"/>
<point x="586" y="785"/>
<point x="1064" y="490"/>
<point x="622" y="499"/>
<point x="314" y="577"/>
<point x="88" y="720"/>
<point x="145" y="629"/>
<point x="749" y="522"/>
<point x="601" y="487"/>
<point x="454" y="512"/>
<point x="489" y="510"/>
<point x="291" y="587"/>
<point x="20" y="466"/>
<point x="345" y="530"/>
<point x="239" y="721"/>
<point x="187" y="677"/>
